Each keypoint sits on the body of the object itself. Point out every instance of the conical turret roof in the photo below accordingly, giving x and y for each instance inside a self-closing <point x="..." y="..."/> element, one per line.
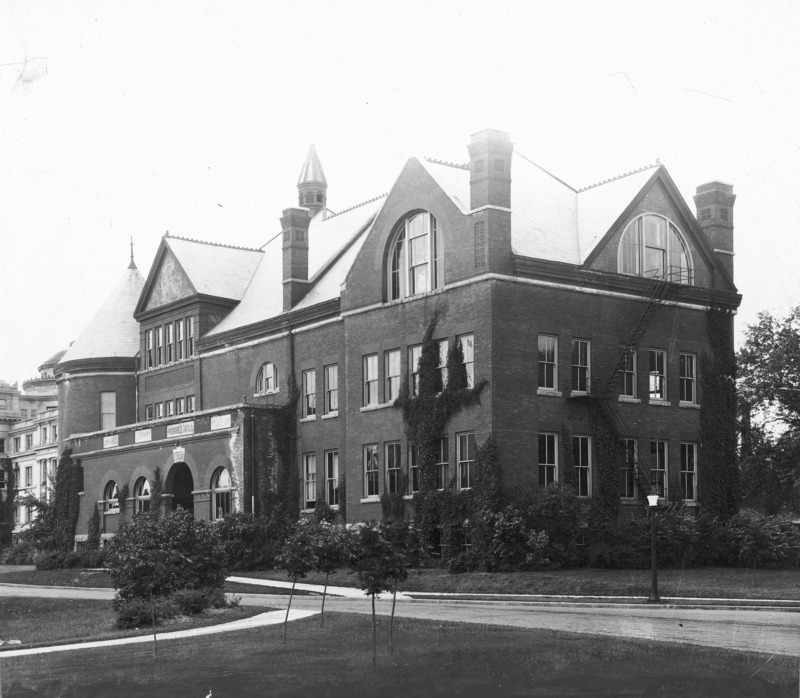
<point x="312" y="169"/>
<point x="112" y="332"/>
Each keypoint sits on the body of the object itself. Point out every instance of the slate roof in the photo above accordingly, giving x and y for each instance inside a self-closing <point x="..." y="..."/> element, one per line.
<point x="112" y="332"/>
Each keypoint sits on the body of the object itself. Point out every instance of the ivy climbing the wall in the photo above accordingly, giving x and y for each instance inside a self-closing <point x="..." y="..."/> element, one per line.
<point x="54" y="528"/>
<point x="8" y="499"/>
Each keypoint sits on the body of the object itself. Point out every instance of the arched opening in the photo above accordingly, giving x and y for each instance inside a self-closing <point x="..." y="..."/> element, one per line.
<point x="180" y="485"/>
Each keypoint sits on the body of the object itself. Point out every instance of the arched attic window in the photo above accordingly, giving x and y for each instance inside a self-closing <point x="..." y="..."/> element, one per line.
<point x="111" y="497"/>
<point x="267" y="379"/>
<point x="221" y="488"/>
<point x="416" y="260"/>
<point x="653" y="247"/>
<point x="141" y="492"/>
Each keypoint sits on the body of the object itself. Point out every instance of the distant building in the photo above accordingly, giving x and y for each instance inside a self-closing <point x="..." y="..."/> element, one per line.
<point x="561" y="298"/>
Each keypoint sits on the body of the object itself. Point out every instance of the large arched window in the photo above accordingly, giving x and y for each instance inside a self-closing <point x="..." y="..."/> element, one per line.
<point x="267" y="379"/>
<point x="416" y="263"/>
<point x="141" y="492"/>
<point x="653" y="247"/>
<point x="221" y="488"/>
<point x="111" y="497"/>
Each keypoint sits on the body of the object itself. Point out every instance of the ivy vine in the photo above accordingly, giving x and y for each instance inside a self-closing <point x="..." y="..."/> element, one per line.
<point x="8" y="495"/>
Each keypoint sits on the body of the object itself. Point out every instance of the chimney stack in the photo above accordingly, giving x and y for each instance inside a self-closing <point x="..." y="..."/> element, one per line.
<point x="490" y="154"/>
<point x="714" y="202"/>
<point x="294" y="223"/>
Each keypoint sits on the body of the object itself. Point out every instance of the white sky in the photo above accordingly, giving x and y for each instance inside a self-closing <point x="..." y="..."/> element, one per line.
<point x="132" y="118"/>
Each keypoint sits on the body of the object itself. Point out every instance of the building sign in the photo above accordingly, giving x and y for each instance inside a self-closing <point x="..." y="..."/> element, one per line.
<point x="178" y="455"/>
<point x="221" y="421"/>
<point x="180" y="429"/>
<point x="142" y="435"/>
<point x="111" y="441"/>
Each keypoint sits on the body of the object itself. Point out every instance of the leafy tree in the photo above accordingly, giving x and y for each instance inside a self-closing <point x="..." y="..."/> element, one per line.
<point x="406" y="551"/>
<point x="297" y="557"/>
<point x="330" y="551"/>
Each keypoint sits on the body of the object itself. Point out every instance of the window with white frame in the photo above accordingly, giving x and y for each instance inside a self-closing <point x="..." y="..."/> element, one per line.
<point x="141" y="495"/>
<point x="658" y="374"/>
<point x="465" y="456"/>
<point x="627" y="469"/>
<point x="414" y="355"/>
<point x="148" y="349"/>
<point x="443" y="463"/>
<point x="310" y="479"/>
<point x="180" y="349"/>
<point x="548" y="362"/>
<point x="370" y="378"/>
<point x="371" y="471"/>
<point x="169" y="408"/>
<point x="180" y="405"/>
<point x="309" y="393"/>
<point x="442" y="347"/>
<point x="148" y="412"/>
<point x="689" y="471"/>
<point x="548" y="459"/>
<point x="17" y="444"/>
<point x="169" y="339"/>
<point x="653" y="247"/>
<point x="190" y="403"/>
<point x="688" y="391"/>
<point x="391" y="360"/>
<point x="467" y="342"/>
<point x="159" y="332"/>
<point x="267" y="378"/>
<point x="28" y="476"/>
<point x="189" y="336"/>
<point x="111" y="496"/>
<point x="581" y="367"/>
<point x="331" y="389"/>
<point x="221" y="494"/>
<point x="54" y="432"/>
<point x="582" y="460"/>
<point x="332" y="478"/>
<point x="628" y="374"/>
<point x="393" y="467"/>
<point x="416" y="258"/>
<point x="43" y="438"/>
<point x="28" y="442"/>
<point x="658" y="467"/>
<point x="413" y="468"/>
<point x="159" y="410"/>
<point x="108" y="410"/>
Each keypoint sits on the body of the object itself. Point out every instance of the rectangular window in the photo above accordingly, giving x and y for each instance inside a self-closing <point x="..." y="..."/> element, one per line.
<point x="168" y="408"/>
<point x="148" y="412"/>
<point x="689" y="472"/>
<point x="190" y="403"/>
<point x="658" y="375"/>
<point x="442" y="347"/>
<point x="370" y="371"/>
<point x="465" y="456"/>
<point x="687" y="383"/>
<point x="658" y="467"/>
<point x="332" y="389"/>
<point x="413" y="467"/>
<point x="169" y="341"/>
<point x="44" y="436"/>
<point x="393" y="467"/>
<point x="17" y="444"/>
<point x="581" y="457"/>
<point x="443" y="463"/>
<point x="179" y="345"/>
<point x="54" y="431"/>
<point x="108" y="410"/>
<point x="414" y="355"/>
<point x="310" y="479"/>
<point x="548" y="459"/>
<point x="627" y="469"/>
<point x="332" y="478"/>
<point x="548" y="362"/>
<point x="148" y="348"/>
<point x="467" y="342"/>
<point x="43" y="473"/>
<point x="309" y="393"/>
<point x="391" y="360"/>
<point x="159" y="345"/>
<point x="189" y="336"/>
<point x="179" y="405"/>
<point x="628" y="387"/>
<point x="159" y="410"/>
<point x="29" y="476"/>
<point x="28" y="442"/>
<point x="581" y="367"/>
<point x="371" y="472"/>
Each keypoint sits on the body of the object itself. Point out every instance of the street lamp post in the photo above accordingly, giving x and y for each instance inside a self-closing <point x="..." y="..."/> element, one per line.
<point x="652" y="500"/>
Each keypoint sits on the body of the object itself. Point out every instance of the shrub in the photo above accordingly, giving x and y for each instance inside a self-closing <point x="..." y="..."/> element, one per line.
<point x="250" y="542"/>
<point x="138" y="613"/>
<point x="508" y="549"/>
<point x="772" y="541"/>
<point x="191" y="601"/>
<point x="20" y="554"/>
<point x="557" y="511"/>
<point x="162" y="554"/>
<point x="49" y="560"/>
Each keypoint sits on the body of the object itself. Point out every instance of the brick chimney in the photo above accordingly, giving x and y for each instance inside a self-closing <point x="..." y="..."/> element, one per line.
<point x="490" y="154"/>
<point x="294" y="223"/>
<point x="714" y="202"/>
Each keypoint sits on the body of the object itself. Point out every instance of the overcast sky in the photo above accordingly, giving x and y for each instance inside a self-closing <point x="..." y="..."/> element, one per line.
<point x="122" y="119"/>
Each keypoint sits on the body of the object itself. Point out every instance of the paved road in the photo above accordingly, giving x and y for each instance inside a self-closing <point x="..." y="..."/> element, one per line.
<point x="750" y="629"/>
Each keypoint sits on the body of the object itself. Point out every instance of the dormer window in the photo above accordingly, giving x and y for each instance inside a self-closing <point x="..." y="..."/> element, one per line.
<point x="653" y="247"/>
<point x="417" y="257"/>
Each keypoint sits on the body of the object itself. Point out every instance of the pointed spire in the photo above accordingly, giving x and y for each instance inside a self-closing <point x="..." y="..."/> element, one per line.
<point x="132" y="265"/>
<point x="312" y="173"/>
<point x="312" y="187"/>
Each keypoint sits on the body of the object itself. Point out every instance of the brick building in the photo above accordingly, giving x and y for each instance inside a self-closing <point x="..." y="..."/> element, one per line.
<point x="560" y="298"/>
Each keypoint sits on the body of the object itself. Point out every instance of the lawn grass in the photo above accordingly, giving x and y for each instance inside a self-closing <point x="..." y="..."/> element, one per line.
<point x="429" y="658"/>
<point x="711" y="582"/>
<point x="36" y="621"/>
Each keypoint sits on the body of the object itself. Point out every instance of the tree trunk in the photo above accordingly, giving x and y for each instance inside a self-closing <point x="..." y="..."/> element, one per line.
<point x="754" y="570"/>
<point x="391" y="620"/>
<point x="286" y="620"/>
<point x="155" y="639"/>
<point x="374" y="637"/>
<point x="324" y="592"/>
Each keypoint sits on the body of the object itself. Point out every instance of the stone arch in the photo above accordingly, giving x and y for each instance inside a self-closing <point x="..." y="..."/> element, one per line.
<point x="180" y="480"/>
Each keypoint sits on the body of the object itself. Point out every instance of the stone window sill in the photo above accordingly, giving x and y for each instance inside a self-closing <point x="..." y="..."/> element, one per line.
<point x="629" y="400"/>
<point x="331" y="415"/>
<point x="689" y="405"/>
<point x="368" y="500"/>
<point x="548" y="392"/>
<point x="661" y="403"/>
<point x="310" y="418"/>
<point x="267" y="392"/>
<point x="379" y="406"/>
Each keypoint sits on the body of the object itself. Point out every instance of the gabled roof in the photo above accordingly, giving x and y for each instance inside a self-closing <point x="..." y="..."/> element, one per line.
<point x="112" y="332"/>
<point x="333" y="242"/>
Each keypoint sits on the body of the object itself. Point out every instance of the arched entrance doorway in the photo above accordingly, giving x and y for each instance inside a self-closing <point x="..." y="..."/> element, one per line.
<point x="180" y="485"/>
